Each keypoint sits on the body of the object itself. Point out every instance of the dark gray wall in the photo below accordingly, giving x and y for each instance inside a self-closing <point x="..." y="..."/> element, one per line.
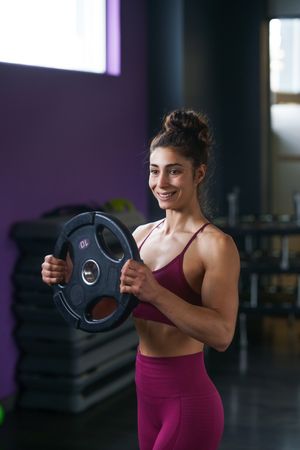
<point x="165" y="67"/>
<point x="217" y="52"/>
<point x="68" y="137"/>
<point x="283" y="8"/>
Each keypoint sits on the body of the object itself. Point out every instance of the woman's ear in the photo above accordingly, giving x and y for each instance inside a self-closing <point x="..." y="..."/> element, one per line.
<point x="200" y="173"/>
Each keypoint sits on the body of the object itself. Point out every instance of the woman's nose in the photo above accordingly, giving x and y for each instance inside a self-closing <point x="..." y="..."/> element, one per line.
<point x="162" y="180"/>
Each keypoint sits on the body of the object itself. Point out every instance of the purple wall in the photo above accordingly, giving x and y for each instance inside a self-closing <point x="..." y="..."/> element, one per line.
<point x="68" y="137"/>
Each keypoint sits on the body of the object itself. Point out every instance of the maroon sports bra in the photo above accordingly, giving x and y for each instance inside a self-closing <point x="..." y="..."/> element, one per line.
<point x="172" y="277"/>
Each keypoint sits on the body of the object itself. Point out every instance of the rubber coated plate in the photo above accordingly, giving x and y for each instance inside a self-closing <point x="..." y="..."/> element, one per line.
<point x="98" y="244"/>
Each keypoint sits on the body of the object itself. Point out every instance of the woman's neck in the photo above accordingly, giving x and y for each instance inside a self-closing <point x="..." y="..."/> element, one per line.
<point x="183" y="220"/>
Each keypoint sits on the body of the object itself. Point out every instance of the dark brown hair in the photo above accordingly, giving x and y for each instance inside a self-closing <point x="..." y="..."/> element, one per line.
<point x="188" y="132"/>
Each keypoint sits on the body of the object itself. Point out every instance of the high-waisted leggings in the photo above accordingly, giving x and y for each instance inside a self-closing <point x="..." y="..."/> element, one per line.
<point x="179" y="408"/>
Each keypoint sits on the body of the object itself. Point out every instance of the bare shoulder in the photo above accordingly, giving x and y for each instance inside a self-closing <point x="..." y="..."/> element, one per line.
<point x="217" y="247"/>
<point x="215" y="236"/>
<point x="143" y="230"/>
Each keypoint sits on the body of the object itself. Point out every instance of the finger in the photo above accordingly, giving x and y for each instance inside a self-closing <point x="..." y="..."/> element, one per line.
<point x="135" y="265"/>
<point x="127" y="276"/>
<point x="53" y="273"/>
<point x="129" y="273"/>
<point x="127" y="281"/>
<point x="127" y="265"/>
<point x="132" y="265"/>
<point x="54" y="267"/>
<point x="126" y="289"/>
<point x="55" y="277"/>
<point x="50" y="259"/>
<point x="52" y="280"/>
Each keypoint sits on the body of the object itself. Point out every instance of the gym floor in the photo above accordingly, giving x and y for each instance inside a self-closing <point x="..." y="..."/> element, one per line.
<point x="260" y="387"/>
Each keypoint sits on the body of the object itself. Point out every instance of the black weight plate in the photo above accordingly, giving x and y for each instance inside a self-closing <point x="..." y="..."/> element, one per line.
<point x="91" y="300"/>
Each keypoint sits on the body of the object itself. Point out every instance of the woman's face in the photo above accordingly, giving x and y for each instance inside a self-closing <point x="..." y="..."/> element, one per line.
<point x="172" y="178"/>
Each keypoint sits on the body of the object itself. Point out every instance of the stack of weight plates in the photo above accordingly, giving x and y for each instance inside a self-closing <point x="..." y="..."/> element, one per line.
<point x="61" y="368"/>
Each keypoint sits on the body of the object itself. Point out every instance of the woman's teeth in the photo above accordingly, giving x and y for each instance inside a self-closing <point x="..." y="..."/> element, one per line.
<point x="166" y="196"/>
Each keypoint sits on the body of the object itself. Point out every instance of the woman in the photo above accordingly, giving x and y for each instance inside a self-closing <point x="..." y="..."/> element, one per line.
<point x="188" y="292"/>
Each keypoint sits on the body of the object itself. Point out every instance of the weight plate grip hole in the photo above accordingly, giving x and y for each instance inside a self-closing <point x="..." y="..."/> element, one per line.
<point x="90" y="272"/>
<point x="102" y="308"/>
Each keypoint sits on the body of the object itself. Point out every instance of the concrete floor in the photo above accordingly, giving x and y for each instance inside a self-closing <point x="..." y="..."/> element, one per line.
<point x="260" y="387"/>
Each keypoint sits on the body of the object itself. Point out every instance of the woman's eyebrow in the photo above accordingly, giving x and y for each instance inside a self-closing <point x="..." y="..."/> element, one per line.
<point x="168" y="165"/>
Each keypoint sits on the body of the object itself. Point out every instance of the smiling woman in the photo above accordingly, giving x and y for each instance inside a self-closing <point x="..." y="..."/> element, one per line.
<point x="186" y="142"/>
<point x="188" y="292"/>
<point x="169" y="174"/>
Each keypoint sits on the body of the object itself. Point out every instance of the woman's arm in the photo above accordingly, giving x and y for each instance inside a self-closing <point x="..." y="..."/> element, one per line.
<point x="213" y="323"/>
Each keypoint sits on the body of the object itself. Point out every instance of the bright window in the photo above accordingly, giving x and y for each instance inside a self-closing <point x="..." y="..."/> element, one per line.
<point x="63" y="34"/>
<point x="285" y="55"/>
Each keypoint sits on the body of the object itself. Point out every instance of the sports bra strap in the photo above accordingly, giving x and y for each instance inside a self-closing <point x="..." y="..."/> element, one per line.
<point x="189" y="242"/>
<point x="194" y="236"/>
<point x="156" y="226"/>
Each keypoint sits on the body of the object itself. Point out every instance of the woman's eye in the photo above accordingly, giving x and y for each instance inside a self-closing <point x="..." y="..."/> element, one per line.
<point x="174" y="172"/>
<point x="153" y="172"/>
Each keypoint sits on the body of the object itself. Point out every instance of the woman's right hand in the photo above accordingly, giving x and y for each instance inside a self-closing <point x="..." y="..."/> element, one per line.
<point x="54" y="270"/>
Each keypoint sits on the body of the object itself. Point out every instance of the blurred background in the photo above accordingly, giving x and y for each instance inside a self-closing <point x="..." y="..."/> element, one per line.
<point x="74" y="136"/>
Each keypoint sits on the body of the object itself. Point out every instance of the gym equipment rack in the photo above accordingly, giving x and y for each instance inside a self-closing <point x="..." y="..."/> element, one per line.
<point x="61" y="368"/>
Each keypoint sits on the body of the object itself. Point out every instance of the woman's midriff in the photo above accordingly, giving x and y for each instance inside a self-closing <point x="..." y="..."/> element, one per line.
<point x="159" y="339"/>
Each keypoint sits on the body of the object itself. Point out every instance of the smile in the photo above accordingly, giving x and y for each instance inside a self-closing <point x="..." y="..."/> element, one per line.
<point x="165" y="195"/>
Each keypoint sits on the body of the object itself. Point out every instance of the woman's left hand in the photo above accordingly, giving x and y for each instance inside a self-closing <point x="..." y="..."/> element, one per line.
<point x="137" y="279"/>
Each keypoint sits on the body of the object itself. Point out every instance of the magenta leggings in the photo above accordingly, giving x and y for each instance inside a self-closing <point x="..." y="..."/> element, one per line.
<point x="179" y="408"/>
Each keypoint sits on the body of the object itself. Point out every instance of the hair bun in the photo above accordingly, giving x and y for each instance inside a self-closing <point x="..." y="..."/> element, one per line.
<point x="188" y="121"/>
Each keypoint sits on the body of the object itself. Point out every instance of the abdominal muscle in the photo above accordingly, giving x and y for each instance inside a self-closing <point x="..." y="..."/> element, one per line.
<point x="160" y="339"/>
